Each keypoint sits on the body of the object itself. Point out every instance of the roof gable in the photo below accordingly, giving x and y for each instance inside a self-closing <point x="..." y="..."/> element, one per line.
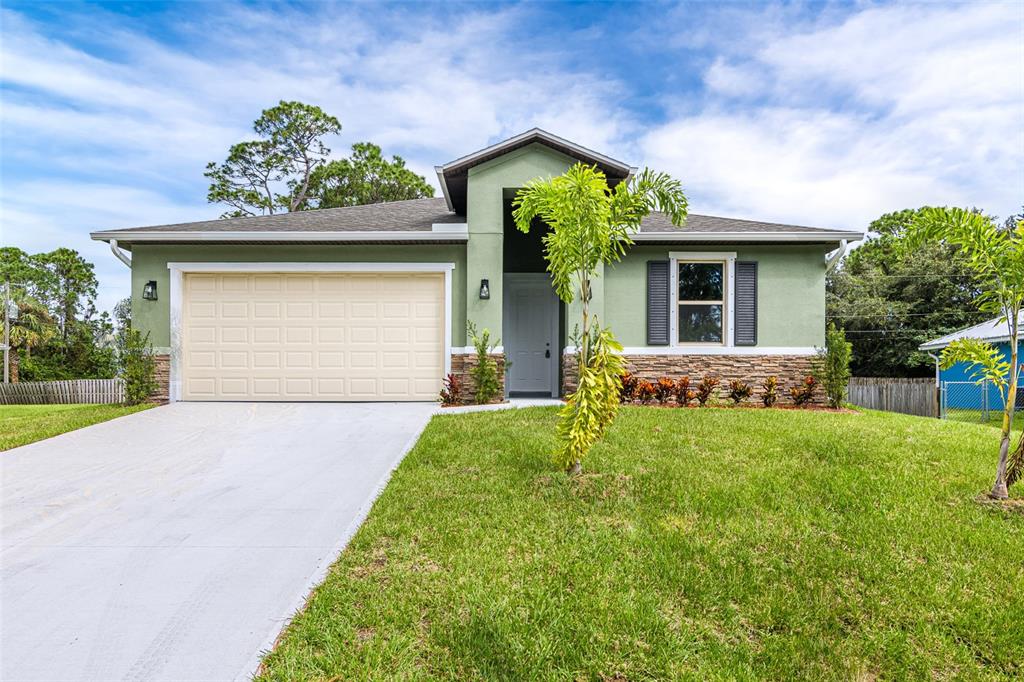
<point x="454" y="175"/>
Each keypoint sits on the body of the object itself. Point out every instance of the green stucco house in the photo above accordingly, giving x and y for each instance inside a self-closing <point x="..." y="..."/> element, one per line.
<point x="371" y="302"/>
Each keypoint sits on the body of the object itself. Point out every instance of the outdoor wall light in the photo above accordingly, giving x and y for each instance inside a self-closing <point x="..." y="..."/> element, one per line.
<point x="485" y="289"/>
<point x="149" y="291"/>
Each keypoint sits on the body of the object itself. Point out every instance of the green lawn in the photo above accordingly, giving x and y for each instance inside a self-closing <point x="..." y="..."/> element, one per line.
<point x="23" y="424"/>
<point x="995" y="418"/>
<point x="699" y="544"/>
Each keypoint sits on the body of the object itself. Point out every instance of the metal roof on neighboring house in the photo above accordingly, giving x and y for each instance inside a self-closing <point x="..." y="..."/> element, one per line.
<point x="993" y="331"/>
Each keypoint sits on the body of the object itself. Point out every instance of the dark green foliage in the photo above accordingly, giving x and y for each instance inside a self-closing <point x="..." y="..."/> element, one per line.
<point x="805" y="392"/>
<point x="59" y="336"/>
<point x="770" y="391"/>
<point x="664" y="389"/>
<point x="890" y="298"/>
<point x="485" y="371"/>
<point x="366" y="177"/>
<point x="706" y="390"/>
<point x="451" y="391"/>
<point x="138" y="368"/>
<point x="739" y="391"/>
<point x="287" y="168"/>
<point x="832" y="365"/>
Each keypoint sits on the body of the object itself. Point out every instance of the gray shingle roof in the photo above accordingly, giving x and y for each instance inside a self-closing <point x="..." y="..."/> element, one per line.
<point x="414" y="215"/>
<point x="418" y="216"/>
<point x="659" y="222"/>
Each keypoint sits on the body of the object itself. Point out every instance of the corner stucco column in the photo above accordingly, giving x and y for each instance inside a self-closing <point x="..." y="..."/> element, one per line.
<point x="484" y="261"/>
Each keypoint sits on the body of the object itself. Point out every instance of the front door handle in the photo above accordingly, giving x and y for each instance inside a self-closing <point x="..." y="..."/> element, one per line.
<point x="547" y="353"/>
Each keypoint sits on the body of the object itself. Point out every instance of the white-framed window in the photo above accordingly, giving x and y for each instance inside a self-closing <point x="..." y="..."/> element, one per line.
<point x="702" y="286"/>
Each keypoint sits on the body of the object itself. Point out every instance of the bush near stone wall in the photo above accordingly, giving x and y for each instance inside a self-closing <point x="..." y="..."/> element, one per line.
<point x="751" y="369"/>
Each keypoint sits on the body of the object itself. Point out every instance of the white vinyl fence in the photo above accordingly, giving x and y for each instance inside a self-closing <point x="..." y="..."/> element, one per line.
<point x="907" y="396"/>
<point x="101" y="391"/>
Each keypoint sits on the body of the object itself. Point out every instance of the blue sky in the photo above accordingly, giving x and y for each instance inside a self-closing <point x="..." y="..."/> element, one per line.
<point x="826" y="114"/>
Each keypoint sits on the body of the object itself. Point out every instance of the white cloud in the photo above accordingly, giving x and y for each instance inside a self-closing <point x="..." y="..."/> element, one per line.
<point x="889" y="108"/>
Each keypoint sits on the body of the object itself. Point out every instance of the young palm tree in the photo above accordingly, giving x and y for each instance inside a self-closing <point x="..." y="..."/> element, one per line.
<point x="996" y="255"/>
<point x="591" y="225"/>
<point x="34" y="327"/>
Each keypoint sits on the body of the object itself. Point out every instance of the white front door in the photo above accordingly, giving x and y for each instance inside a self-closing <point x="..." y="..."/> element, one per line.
<point x="531" y="334"/>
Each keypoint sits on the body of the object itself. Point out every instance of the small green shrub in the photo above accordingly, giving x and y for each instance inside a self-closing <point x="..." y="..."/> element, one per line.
<point x="485" y="371"/>
<point x="683" y="392"/>
<point x="644" y="391"/>
<point x="770" y="391"/>
<point x="832" y="365"/>
<point x="739" y="391"/>
<point x="451" y="390"/>
<point x="138" y="368"/>
<point x="804" y="393"/>
<point x="706" y="390"/>
<point x="663" y="389"/>
<point x="627" y="388"/>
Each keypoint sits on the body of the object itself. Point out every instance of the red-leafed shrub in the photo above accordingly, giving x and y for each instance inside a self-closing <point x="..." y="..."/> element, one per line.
<point x="739" y="391"/>
<point x="770" y="391"/>
<point x="706" y="389"/>
<point x="644" y="391"/>
<point x="663" y="389"/>
<point x="804" y="393"/>
<point x="451" y="390"/>
<point x="684" y="394"/>
<point x="627" y="391"/>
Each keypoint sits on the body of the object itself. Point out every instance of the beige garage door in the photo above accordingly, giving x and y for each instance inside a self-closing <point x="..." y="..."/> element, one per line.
<point x="329" y="336"/>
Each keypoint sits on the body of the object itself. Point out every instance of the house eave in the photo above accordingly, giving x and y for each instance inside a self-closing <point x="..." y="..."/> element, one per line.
<point x="281" y="236"/>
<point x="682" y="236"/>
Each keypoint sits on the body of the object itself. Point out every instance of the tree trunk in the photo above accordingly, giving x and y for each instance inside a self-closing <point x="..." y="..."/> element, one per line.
<point x="999" y="488"/>
<point x="575" y="469"/>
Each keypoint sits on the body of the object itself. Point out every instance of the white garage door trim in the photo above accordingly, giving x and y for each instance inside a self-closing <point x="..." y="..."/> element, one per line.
<point x="177" y="295"/>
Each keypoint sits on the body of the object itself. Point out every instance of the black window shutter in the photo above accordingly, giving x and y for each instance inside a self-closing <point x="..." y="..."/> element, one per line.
<point x="657" y="302"/>
<point x="745" y="331"/>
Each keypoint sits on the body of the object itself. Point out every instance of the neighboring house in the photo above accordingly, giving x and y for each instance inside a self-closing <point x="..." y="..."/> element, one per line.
<point x="959" y="382"/>
<point x="371" y="302"/>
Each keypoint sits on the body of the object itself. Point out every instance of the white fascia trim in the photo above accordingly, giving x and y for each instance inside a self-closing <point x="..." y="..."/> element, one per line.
<point x="177" y="295"/>
<point x="280" y="236"/>
<point x="712" y="350"/>
<point x="444" y="187"/>
<point x="450" y="228"/>
<point x="684" y="236"/>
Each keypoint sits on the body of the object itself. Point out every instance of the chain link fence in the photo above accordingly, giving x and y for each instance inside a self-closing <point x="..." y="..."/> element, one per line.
<point x="971" y="401"/>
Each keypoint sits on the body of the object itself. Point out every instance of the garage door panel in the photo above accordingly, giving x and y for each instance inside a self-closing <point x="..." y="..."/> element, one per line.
<point x="329" y="336"/>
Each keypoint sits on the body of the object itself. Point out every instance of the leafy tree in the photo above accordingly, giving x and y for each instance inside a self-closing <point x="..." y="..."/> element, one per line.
<point x="287" y="169"/>
<point x="891" y="299"/>
<point x="34" y="328"/>
<point x="590" y="225"/>
<point x="67" y="286"/>
<point x="833" y="365"/>
<point x="366" y="177"/>
<point x="291" y="148"/>
<point x="996" y="257"/>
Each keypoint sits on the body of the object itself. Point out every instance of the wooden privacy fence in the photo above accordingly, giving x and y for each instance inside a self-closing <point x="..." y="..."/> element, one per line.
<point x="907" y="396"/>
<point x="104" y="391"/>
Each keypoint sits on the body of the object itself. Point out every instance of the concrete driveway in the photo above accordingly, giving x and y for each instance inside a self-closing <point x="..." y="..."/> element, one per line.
<point x="175" y="543"/>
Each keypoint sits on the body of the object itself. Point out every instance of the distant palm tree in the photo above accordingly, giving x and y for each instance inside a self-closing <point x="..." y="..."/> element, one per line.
<point x="34" y="327"/>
